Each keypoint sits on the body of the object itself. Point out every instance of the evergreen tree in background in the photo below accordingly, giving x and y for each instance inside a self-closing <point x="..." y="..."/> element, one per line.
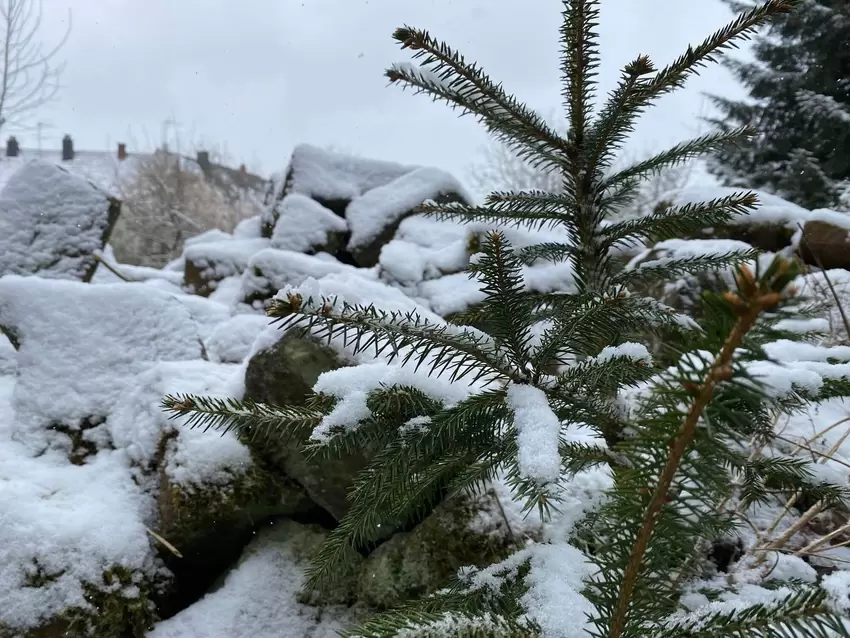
<point x="672" y="455"/>
<point x="799" y="103"/>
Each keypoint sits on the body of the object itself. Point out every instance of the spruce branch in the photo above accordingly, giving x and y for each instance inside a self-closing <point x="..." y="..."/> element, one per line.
<point x="446" y="75"/>
<point x="616" y="120"/>
<point x="666" y="269"/>
<point x="679" y="221"/>
<point x="579" y="61"/>
<point x="396" y="335"/>
<point x="800" y="614"/>
<point x="676" y="154"/>
<point x="551" y="252"/>
<point x="752" y="299"/>
<point x="674" y="76"/>
<point x="500" y="273"/>
<point x="247" y="418"/>
<point x="516" y="216"/>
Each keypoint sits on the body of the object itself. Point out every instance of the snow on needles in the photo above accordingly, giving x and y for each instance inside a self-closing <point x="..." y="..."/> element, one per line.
<point x="538" y="433"/>
<point x="629" y="350"/>
<point x="352" y="385"/>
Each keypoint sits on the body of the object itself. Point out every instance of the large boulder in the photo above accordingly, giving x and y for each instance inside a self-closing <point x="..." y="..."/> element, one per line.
<point x="282" y="374"/>
<point x="371" y="196"/>
<point x="81" y="345"/>
<point x="209" y="491"/>
<point x="52" y="223"/>
<point x="329" y="178"/>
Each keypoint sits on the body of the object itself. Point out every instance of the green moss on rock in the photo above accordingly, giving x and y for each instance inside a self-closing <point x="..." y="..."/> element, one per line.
<point x="421" y="561"/>
<point x="285" y="375"/>
<point x="210" y="525"/>
<point x="120" y="607"/>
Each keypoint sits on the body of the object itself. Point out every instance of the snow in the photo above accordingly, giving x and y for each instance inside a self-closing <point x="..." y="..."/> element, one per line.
<point x="8" y="356"/>
<point x="259" y="597"/>
<point x="219" y="259"/>
<point x="408" y="263"/>
<point x="788" y="351"/>
<point x="424" y="248"/>
<point x="270" y="270"/>
<point x="356" y="290"/>
<point x="77" y="522"/>
<point x="304" y="225"/>
<point x="421" y="74"/>
<point x="629" y="350"/>
<point x="231" y="341"/>
<point x="228" y="292"/>
<point x="206" y="313"/>
<point x="352" y="385"/>
<point x="250" y="228"/>
<point x="554" y="600"/>
<point x="831" y="217"/>
<point x="212" y="235"/>
<point x="383" y="206"/>
<point x="138" y="424"/>
<point x="130" y="272"/>
<point x="452" y="293"/>
<point x="50" y="223"/>
<point x="327" y="175"/>
<point x="837" y="585"/>
<point x="538" y="433"/>
<point x="80" y="344"/>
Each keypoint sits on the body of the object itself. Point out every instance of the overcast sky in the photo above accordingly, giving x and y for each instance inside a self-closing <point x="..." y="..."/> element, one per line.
<point x="259" y="76"/>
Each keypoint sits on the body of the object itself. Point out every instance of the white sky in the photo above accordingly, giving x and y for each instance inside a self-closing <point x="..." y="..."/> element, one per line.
<point x="259" y="76"/>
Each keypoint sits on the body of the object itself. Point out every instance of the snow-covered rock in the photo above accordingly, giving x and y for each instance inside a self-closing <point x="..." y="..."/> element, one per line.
<point x="80" y="344"/>
<point x="270" y="270"/>
<point x="232" y="340"/>
<point x="259" y="597"/>
<point x="374" y="216"/>
<point x="305" y="226"/>
<point x="207" y="263"/>
<point x="51" y="223"/>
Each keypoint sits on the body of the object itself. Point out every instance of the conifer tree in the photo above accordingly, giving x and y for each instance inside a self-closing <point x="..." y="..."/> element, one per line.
<point x="671" y="454"/>
<point x="799" y="103"/>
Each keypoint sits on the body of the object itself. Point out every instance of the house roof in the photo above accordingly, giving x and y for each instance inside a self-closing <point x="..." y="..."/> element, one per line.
<point x="106" y="171"/>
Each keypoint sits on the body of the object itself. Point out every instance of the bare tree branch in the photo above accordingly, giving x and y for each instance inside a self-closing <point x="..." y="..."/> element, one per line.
<point x="167" y="200"/>
<point x="30" y="73"/>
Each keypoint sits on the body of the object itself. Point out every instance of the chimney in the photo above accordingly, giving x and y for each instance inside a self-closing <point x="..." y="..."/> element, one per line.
<point x="67" y="149"/>
<point x="12" y="147"/>
<point x="122" y="151"/>
<point x="203" y="159"/>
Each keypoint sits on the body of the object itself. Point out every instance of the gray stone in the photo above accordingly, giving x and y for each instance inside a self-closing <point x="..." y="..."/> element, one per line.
<point x="284" y="375"/>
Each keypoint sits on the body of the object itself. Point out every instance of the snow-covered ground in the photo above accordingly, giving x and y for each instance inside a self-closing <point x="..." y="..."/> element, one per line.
<point x="85" y="448"/>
